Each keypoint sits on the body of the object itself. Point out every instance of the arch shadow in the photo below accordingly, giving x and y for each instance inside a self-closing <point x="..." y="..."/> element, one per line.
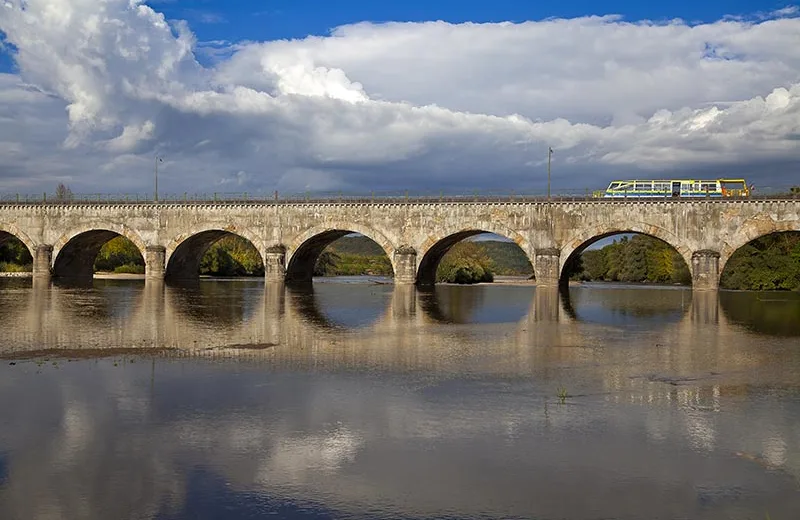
<point x="8" y="231"/>
<point x="75" y="255"/>
<point x="25" y="255"/>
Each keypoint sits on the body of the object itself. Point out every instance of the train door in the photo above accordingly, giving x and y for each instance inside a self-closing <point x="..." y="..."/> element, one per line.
<point x="676" y="188"/>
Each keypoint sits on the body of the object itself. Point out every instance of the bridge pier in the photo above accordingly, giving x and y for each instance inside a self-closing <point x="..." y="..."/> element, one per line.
<point x="155" y="262"/>
<point x="405" y="265"/>
<point x="275" y="264"/>
<point x="547" y="267"/>
<point x="705" y="270"/>
<point x="42" y="261"/>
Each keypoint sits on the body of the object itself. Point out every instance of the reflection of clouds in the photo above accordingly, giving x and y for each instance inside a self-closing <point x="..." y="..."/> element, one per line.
<point x="294" y="457"/>
<point x="775" y="451"/>
<point x="351" y="415"/>
<point x="77" y="432"/>
<point x="700" y="431"/>
<point x="90" y="463"/>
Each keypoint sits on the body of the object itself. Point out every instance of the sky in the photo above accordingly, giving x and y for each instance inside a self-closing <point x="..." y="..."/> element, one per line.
<point x="431" y="97"/>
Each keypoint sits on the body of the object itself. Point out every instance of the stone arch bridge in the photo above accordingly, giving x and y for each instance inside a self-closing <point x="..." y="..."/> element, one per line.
<point x="64" y="238"/>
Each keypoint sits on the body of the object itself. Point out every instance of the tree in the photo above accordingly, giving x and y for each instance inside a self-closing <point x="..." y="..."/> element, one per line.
<point x="465" y="263"/>
<point x="116" y="253"/>
<point x="63" y="193"/>
<point x="639" y="259"/>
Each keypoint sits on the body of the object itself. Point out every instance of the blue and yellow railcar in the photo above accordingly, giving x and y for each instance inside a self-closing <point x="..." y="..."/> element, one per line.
<point x="681" y="188"/>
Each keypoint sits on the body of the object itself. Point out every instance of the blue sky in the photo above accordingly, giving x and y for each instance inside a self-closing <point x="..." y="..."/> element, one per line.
<point x="277" y="19"/>
<point x="469" y="104"/>
<point x="261" y="20"/>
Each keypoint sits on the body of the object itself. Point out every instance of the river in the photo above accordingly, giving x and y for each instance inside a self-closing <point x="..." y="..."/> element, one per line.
<point x="356" y="399"/>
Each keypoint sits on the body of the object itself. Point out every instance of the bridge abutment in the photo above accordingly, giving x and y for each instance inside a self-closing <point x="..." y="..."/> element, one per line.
<point x="547" y="267"/>
<point x="275" y="264"/>
<point x="42" y="261"/>
<point x="705" y="270"/>
<point x="405" y="265"/>
<point x="155" y="262"/>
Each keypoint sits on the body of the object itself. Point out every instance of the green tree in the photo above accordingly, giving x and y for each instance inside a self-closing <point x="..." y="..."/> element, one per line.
<point x="594" y="265"/>
<point x="639" y="259"/>
<point x="465" y="263"/>
<point x="119" y="255"/>
<point x="14" y="256"/>
<point x="327" y="264"/>
<point x="769" y="263"/>
<point x="232" y="255"/>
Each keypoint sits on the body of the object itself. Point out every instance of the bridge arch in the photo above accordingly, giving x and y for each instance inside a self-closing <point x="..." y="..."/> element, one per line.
<point x="75" y="251"/>
<point x="433" y="249"/>
<point x="585" y="237"/>
<point x="11" y="230"/>
<point x="302" y="252"/>
<point x="185" y="252"/>
<point x="753" y="229"/>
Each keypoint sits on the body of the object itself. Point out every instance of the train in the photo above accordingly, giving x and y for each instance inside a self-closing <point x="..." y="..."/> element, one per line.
<point x="679" y="188"/>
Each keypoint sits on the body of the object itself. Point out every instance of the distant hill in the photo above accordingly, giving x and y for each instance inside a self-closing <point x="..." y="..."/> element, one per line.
<point x="508" y="258"/>
<point x="356" y="245"/>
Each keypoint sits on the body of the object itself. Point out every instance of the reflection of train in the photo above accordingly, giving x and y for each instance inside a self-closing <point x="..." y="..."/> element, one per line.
<point x="676" y="188"/>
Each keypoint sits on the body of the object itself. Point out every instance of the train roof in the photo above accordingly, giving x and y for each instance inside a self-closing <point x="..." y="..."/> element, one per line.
<point x="679" y="180"/>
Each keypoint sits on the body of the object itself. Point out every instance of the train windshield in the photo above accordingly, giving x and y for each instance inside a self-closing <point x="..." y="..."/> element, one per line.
<point x="729" y="185"/>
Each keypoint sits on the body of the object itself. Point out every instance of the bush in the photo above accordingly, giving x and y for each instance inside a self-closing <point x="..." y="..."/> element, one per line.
<point x="129" y="269"/>
<point x="118" y="252"/>
<point x="232" y="256"/>
<point x="465" y="263"/>
<point x="8" y="267"/>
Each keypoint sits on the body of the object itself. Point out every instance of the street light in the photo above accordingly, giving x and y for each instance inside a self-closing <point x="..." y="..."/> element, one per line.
<point x="158" y="160"/>
<point x="549" y="156"/>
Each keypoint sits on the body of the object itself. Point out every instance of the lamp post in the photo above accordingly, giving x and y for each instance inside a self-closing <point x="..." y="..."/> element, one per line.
<point x="549" y="156"/>
<point x="157" y="160"/>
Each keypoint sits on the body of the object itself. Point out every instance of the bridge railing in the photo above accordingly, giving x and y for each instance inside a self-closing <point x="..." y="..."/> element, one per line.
<point x="392" y="197"/>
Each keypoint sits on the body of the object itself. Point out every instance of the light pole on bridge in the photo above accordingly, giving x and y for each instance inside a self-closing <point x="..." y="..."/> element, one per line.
<point x="155" y="193"/>
<point x="549" y="156"/>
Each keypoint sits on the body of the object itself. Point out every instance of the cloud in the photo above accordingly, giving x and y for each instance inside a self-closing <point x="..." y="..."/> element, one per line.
<point x="420" y="106"/>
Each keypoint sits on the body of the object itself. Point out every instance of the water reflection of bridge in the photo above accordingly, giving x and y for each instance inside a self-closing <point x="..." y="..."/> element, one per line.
<point x="555" y="341"/>
<point x="279" y="324"/>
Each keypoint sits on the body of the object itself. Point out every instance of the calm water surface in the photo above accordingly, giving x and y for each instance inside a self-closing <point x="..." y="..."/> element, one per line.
<point x="363" y="400"/>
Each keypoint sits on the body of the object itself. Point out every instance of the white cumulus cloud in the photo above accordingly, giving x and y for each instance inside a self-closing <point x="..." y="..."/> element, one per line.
<point x="102" y="85"/>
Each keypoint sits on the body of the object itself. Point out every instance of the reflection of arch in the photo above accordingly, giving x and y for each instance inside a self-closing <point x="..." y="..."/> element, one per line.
<point x="303" y="251"/>
<point x="10" y="230"/>
<point x="623" y="306"/>
<point x="75" y="252"/>
<point x="431" y="252"/>
<point x="309" y="301"/>
<point x="216" y="304"/>
<point x="185" y="252"/>
<point x="751" y="230"/>
<point x="476" y="304"/>
<point x="584" y="237"/>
